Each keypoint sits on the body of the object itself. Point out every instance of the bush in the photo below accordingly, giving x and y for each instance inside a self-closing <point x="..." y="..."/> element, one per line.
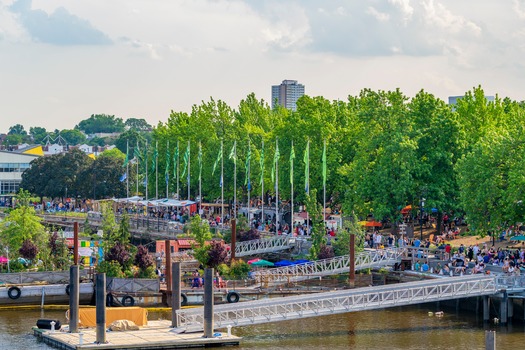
<point x="149" y="272"/>
<point x="239" y="269"/>
<point x="249" y="235"/>
<point x="217" y="254"/>
<point x="110" y="268"/>
<point x="16" y="266"/>
<point x="143" y="259"/>
<point x="325" y="252"/>
<point x="28" y="250"/>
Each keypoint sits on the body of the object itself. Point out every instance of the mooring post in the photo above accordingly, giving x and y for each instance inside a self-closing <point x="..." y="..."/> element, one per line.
<point x="233" y="239"/>
<point x="486" y="308"/>
<point x="503" y="308"/>
<point x="175" y="293"/>
<point x="352" y="260"/>
<point x="208" y="303"/>
<point x="167" y="266"/>
<point x="75" y="243"/>
<point x="490" y="340"/>
<point x="101" y="308"/>
<point x="73" y="298"/>
<point x="510" y="308"/>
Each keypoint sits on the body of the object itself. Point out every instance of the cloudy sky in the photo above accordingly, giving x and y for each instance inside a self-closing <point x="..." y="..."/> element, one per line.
<point x="63" y="60"/>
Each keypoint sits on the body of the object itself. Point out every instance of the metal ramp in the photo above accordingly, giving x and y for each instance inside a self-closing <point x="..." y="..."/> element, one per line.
<point x="265" y="245"/>
<point x="327" y="267"/>
<point x="321" y="304"/>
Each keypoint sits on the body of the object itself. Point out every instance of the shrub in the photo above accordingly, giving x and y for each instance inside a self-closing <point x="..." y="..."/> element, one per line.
<point x="325" y="252"/>
<point x="28" y="250"/>
<point x="143" y="259"/>
<point x="239" y="269"/>
<point x="217" y="254"/>
<point x="110" y="268"/>
<point x="249" y="235"/>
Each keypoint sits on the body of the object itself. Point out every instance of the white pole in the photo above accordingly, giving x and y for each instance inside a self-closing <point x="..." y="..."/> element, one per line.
<point x="146" y="170"/>
<point x="138" y="161"/>
<point x="308" y="184"/>
<point x="222" y="184"/>
<point x="249" y="222"/>
<point x="276" y="189"/>
<point x="189" y="177"/>
<point x="262" y="188"/>
<point x="178" y="157"/>
<point x="200" y="178"/>
<point x="291" y="194"/>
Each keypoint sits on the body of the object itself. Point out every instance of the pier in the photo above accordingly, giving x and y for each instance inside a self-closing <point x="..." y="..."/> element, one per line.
<point x="156" y="335"/>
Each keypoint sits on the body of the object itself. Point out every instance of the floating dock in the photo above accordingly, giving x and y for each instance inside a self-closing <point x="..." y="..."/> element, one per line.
<point x="156" y="335"/>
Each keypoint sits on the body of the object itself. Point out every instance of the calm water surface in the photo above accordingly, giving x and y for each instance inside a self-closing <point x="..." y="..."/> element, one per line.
<point x="400" y="328"/>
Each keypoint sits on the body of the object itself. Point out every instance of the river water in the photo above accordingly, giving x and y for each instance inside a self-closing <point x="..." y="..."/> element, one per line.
<point x="407" y="328"/>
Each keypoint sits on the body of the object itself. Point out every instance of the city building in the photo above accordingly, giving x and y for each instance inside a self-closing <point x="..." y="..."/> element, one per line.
<point x="12" y="165"/>
<point x="287" y="94"/>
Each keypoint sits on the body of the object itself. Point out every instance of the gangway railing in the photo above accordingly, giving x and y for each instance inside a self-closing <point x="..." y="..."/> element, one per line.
<point x="341" y="264"/>
<point x="335" y="302"/>
<point x="264" y="245"/>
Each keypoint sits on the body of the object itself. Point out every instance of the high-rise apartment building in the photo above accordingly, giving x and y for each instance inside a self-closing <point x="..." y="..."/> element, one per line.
<point x="287" y="94"/>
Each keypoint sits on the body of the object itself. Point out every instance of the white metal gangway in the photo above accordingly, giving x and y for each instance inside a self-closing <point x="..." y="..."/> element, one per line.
<point x="335" y="302"/>
<point x="264" y="245"/>
<point x="326" y="267"/>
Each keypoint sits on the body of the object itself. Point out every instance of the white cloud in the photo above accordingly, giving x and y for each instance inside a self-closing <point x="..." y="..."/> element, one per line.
<point x="380" y="16"/>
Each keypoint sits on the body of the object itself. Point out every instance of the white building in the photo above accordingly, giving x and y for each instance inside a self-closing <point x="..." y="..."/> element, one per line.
<point x="12" y="165"/>
<point x="287" y="94"/>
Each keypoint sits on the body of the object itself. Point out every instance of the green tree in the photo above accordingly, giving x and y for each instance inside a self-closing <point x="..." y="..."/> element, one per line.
<point x="137" y="124"/>
<point x="17" y="129"/>
<point x="318" y="232"/>
<point x="101" y="123"/>
<point x="342" y="244"/>
<point x="73" y="136"/>
<point x="200" y="231"/>
<point x="22" y="224"/>
<point x="38" y="134"/>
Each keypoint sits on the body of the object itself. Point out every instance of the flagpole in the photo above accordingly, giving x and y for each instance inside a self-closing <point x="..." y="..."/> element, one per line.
<point x="262" y="186"/>
<point x="291" y="185"/>
<point x="146" y="170"/>
<point x="200" y="177"/>
<point x="189" y="161"/>
<point x="178" y="156"/>
<point x="235" y="179"/>
<point x="276" y="186"/>
<point x="157" y="170"/>
<point x="248" y="175"/>
<point x="138" y="161"/>
<point x="324" y="182"/>
<point x="127" y="168"/>
<point x="167" y="167"/>
<point x="307" y="183"/>
<point x="222" y="184"/>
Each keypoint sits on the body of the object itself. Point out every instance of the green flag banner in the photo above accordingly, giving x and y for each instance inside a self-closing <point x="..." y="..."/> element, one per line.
<point x="261" y="164"/>
<point x="219" y="157"/>
<point x="167" y="171"/>
<point x="136" y="153"/>
<point x="306" y="161"/>
<point x="324" y="163"/>
<point x="233" y="154"/>
<point x="199" y="160"/>
<point x="275" y="160"/>
<point x="185" y="159"/>
<point x="247" y="165"/>
<point x="292" y="157"/>
<point x="175" y="159"/>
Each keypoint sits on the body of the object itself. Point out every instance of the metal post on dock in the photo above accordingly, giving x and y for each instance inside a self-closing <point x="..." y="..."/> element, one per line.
<point x="486" y="308"/>
<point x="510" y="308"/>
<point x="233" y="238"/>
<point x="503" y="308"/>
<point x="490" y="340"/>
<point x="208" y="303"/>
<point x="75" y="243"/>
<point x="101" y="308"/>
<point x="352" y="260"/>
<point x="175" y="293"/>
<point x="73" y="298"/>
<point x="167" y="247"/>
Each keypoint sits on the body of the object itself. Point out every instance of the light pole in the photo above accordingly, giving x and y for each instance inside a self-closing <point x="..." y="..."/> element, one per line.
<point x="421" y="207"/>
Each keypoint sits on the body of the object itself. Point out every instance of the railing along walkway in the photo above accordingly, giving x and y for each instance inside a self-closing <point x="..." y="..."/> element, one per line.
<point x="329" y="303"/>
<point x="264" y="245"/>
<point x="332" y="266"/>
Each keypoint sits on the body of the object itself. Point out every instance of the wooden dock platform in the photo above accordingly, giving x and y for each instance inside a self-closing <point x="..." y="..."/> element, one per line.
<point x="156" y="335"/>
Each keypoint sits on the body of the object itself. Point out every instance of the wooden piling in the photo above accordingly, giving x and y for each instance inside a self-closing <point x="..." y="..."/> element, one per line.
<point x="208" y="303"/>
<point x="74" y="298"/>
<point x="175" y="292"/>
<point x="101" y="308"/>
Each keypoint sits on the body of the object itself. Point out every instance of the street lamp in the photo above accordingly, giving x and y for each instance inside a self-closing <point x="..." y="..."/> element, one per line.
<point x="421" y="207"/>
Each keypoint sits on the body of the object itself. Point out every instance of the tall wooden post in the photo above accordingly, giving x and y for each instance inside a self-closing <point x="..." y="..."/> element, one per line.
<point x="75" y="243"/>
<point x="208" y="303"/>
<point x="74" y="298"/>
<point x="100" y="311"/>
<point x="176" y="293"/>
<point x="233" y="238"/>
<point x="167" y="247"/>
<point x="352" y="260"/>
<point x="490" y="340"/>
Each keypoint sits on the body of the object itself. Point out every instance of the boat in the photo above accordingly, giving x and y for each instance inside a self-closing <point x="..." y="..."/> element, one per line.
<point x="40" y="294"/>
